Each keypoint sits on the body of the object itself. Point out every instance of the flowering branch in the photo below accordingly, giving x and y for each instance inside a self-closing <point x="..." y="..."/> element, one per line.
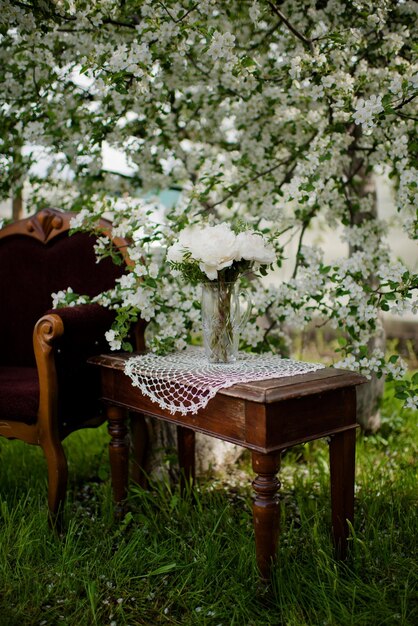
<point x="269" y="170"/>
<point x="249" y="124"/>
<point x="183" y="17"/>
<point x="299" y="35"/>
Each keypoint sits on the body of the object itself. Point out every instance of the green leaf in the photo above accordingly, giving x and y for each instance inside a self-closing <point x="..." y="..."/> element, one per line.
<point x="325" y="157"/>
<point x="161" y="570"/>
<point x="387" y="99"/>
<point x="247" y="62"/>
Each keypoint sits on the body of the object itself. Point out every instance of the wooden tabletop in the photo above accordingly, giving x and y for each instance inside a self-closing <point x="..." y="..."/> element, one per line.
<point x="264" y="391"/>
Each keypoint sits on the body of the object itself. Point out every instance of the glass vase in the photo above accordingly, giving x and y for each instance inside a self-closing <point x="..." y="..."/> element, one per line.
<point x="222" y="320"/>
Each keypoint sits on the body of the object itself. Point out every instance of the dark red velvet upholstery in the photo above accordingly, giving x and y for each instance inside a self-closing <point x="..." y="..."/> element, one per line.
<point x="19" y="393"/>
<point x="29" y="272"/>
<point x="78" y="382"/>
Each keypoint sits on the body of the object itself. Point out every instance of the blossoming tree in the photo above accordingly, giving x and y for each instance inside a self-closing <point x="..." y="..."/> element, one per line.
<point x="275" y="113"/>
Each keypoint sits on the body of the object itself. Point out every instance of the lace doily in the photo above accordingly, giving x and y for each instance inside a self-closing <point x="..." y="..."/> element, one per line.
<point x="184" y="382"/>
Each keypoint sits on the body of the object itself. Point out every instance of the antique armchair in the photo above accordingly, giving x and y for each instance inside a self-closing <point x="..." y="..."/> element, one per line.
<point x="47" y="390"/>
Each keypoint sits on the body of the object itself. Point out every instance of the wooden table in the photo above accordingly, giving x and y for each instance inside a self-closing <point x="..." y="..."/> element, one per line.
<point x="266" y="417"/>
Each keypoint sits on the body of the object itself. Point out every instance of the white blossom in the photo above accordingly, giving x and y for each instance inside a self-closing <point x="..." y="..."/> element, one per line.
<point x="112" y="339"/>
<point x="59" y="298"/>
<point x="412" y="402"/>
<point x="366" y="110"/>
<point x="221" y="45"/>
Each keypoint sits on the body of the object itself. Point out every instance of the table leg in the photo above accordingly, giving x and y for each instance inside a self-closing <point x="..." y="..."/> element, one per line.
<point x="118" y="455"/>
<point x="186" y="454"/>
<point x="139" y="442"/>
<point x="266" y="509"/>
<point x="342" y="449"/>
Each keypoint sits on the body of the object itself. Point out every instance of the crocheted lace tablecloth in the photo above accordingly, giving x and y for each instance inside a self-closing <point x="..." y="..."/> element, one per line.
<point x="185" y="381"/>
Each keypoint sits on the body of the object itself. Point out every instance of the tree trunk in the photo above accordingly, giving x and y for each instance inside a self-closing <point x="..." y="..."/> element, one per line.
<point x="17" y="205"/>
<point x="369" y="394"/>
<point x="17" y="194"/>
<point x="161" y="457"/>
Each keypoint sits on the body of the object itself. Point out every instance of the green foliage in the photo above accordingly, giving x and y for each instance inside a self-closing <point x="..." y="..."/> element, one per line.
<point x="190" y="270"/>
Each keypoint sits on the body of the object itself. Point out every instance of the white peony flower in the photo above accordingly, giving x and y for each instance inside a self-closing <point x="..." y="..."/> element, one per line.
<point x="175" y="253"/>
<point x="253" y="247"/>
<point x="216" y="248"/>
<point x="211" y="271"/>
<point x="188" y="236"/>
<point x="184" y="244"/>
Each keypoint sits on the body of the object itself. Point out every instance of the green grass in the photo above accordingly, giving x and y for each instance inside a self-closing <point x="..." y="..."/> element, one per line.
<point x="185" y="560"/>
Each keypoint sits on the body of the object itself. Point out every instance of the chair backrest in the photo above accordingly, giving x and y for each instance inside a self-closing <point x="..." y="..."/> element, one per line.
<point x="37" y="258"/>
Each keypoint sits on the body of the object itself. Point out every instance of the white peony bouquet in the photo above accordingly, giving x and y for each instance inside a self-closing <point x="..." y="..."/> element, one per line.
<point x="217" y="253"/>
<point x="216" y="256"/>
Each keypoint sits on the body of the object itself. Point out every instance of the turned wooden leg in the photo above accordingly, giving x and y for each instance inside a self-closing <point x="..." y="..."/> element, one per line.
<point x="186" y="454"/>
<point x="57" y="481"/>
<point x="266" y="510"/>
<point x="118" y="455"/>
<point x="342" y="469"/>
<point x="139" y="442"/>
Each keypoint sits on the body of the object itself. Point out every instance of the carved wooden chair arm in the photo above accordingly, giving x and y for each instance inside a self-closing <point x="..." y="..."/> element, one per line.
<point x="63" y="340"/>
<point x="48" y="330"/>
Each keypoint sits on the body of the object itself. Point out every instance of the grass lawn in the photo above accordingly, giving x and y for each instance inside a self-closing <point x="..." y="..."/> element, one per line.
<point x="177" y="560"/>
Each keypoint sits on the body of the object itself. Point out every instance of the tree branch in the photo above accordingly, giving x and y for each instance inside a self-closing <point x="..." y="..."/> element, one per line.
<point x="407" y="117"/>
<point x="402" y="104"/>
<point x="305" y="223"/>
<point x="109" y="20"/>
<point x="182" y="17"/>
<point x="238" y="188"/>
<point x="298" y="34"/>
